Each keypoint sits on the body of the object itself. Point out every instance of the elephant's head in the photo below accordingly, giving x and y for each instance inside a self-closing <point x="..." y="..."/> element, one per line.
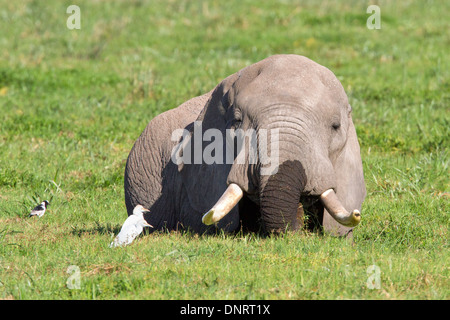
<point x="301" y="118"/>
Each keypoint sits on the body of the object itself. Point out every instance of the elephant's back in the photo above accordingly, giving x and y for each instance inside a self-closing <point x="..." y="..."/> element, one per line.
<point x="158" y="133"/>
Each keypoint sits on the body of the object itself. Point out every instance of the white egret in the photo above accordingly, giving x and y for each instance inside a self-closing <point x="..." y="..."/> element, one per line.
<point x="132" y="227"/>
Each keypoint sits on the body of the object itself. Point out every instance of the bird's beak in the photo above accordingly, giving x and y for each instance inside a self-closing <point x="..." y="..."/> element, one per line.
<point x="148" y="224"/>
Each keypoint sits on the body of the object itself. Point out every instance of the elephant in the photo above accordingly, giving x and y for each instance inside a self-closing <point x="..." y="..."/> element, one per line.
<point x="318" y="168"/>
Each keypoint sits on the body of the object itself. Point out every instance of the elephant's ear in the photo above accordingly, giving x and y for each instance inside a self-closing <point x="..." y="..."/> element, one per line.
<point x="351" y="189"/>
<point x="204" y="182"/>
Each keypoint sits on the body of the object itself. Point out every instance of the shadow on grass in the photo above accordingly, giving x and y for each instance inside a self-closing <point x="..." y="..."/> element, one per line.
<point x="100" y="229"/>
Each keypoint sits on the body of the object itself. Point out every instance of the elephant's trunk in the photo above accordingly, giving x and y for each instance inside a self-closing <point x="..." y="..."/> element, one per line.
<point x="280" y="195"/>
<point x="302" y="169"/>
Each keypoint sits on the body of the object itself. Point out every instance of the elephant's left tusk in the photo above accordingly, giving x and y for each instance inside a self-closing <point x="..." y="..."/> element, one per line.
<point x="227" y="201"/>
<point x="337" y="210"/>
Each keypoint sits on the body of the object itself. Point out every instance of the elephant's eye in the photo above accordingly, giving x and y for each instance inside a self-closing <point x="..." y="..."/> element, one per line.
<point x="336" y="126"/>
<point x="236" y="123"/>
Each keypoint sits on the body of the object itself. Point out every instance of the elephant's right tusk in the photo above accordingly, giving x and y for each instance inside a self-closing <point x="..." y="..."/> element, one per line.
<point x="337" y="210"/>
<point x="227" y="201"/>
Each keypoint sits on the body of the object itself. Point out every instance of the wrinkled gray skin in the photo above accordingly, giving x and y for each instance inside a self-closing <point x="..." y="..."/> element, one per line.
<point x="318" y="150"/>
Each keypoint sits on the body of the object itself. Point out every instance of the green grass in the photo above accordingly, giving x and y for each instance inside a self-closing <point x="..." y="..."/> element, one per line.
<point x="72" y="103"/>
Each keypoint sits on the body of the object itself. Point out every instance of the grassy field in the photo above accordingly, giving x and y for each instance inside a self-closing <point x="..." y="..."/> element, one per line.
<point x="72" y="103"/>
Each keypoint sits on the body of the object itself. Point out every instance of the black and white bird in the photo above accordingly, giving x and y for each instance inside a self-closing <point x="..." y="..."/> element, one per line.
<point x="132" y="227"/>
<point x="39" y="210"/>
